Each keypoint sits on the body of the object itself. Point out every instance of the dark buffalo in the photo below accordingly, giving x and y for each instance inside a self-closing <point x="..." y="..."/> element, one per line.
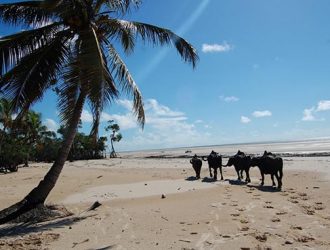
<point x="197" y="165"/>
<point x="269" y="164"/>
<point x="215" y="161"/>
<point x="241" y="163"/>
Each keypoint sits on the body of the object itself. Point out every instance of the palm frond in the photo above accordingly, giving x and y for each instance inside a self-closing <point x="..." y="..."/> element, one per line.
<point x="69" y="90"/>
<point x="89" y="71"/>
<point x="121" y="72"/>
<point x="28" y="80"/>
<point x="115" y="28"/>
<point x="15" y="47"/>
<point x="121" y="6"/>
<point x="155" y="35"/>
<point x="29" y="13"/>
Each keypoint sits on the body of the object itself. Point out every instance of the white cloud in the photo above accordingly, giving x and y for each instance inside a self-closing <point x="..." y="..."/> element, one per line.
<point x="86" y="116"/>
<point x="51" y="125"/>
<point x="199" y="121"/>
<point x="245" y="119"/>
<point x="164" y="127"/>
<point x="323" y="105"/>
<point x="229" y="98"/>
<point x="126" y="121"/>
<point x="127" y="104"/>
<point x="308" y="114"/>
<point x="216" y="48"/>
<point x="152" y="106"/>
<point x="263" y="113"/>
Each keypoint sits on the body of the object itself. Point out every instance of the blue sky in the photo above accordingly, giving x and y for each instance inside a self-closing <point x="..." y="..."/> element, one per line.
<point x="263" y="75"/>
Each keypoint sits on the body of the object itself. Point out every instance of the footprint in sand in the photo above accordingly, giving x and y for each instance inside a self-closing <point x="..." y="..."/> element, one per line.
<point x="293" y="199"/>
<point x="262" y="237"/>
<point x="296" y="227"/>
<point x="268" y="204"/>
<point x="244" y="221"/>
<point x="281" y="213"/>
<point x="256" y="197"/>
<point x="275" y="219"/>
<point x="303" y="196"/>
<point x="319" y="206"/>
<point x="304" y="238"/>
<point x="244" y="229"/>
<point x="308" y="209"/>
<point x="291" y="190"/>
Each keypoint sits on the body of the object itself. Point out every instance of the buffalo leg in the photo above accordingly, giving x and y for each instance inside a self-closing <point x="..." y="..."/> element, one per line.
<point x="247" y="176"/>
<point x="242" y="177"/>
<point x="262" y="179"/>
<point x="197" y="171"/>
<point x="221" y="173"/>
<point x="238" y="175"/>
<point x="272" y="176"/>
<point x="215" y="173"/>
<point x="279" y="181"/>
<point x="210" y="172"/>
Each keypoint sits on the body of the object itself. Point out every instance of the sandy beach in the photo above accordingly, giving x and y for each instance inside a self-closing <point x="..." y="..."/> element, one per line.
<point x="150" y="201"/>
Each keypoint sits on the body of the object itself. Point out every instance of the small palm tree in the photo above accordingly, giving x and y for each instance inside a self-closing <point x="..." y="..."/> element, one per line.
<point x="71" y="48"/>
<point x="31" y="131"/>
<point x="115" y="136"/>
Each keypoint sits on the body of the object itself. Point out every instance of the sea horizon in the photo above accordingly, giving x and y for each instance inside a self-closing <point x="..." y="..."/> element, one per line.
<point x="319" y="144"/>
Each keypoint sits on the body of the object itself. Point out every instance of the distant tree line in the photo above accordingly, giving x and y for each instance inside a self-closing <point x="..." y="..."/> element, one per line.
<point x="26" y="139"/>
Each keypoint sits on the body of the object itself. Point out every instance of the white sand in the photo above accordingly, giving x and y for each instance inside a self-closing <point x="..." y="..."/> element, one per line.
<point x="194" y="214"/>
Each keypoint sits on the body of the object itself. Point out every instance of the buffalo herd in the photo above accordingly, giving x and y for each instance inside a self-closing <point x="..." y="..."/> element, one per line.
<point x="268" y="163"/>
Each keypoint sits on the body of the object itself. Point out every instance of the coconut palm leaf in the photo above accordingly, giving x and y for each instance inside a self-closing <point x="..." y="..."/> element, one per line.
<point x="121" y="6"/>
<point x="29" y="13"/>
<point x="121" y="72"/>
<point x="156" y="35"/>
<point x="14" y="47"/>
<point x="27" y="82"/>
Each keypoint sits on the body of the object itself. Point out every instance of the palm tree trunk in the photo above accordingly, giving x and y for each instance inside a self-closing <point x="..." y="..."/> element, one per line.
<point x="39" y="194"/>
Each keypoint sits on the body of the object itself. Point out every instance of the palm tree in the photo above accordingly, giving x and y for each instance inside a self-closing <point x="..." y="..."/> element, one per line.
<point x="32" y="131"/>
<point x="71" y="48"/>
<point x="115" y="136"/>
<point x="6" y="119"/>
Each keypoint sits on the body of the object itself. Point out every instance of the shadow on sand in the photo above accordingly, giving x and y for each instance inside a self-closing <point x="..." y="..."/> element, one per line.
<point x="191" y="178"/>
<point x="107" y="248"/>
<point x="208" y="179"/>
<point x="237" y="182"/>
<point x="270" y="189"/>
<point x="26" y="228"/>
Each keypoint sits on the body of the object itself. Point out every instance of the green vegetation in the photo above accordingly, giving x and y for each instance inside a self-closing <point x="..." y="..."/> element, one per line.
<point x="27" y="140"/>
<point x="69" y="45"/>
<point x="115" y="136"/>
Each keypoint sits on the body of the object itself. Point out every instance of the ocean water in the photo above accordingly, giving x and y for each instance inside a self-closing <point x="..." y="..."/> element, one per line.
<point x="304" y="147"/>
